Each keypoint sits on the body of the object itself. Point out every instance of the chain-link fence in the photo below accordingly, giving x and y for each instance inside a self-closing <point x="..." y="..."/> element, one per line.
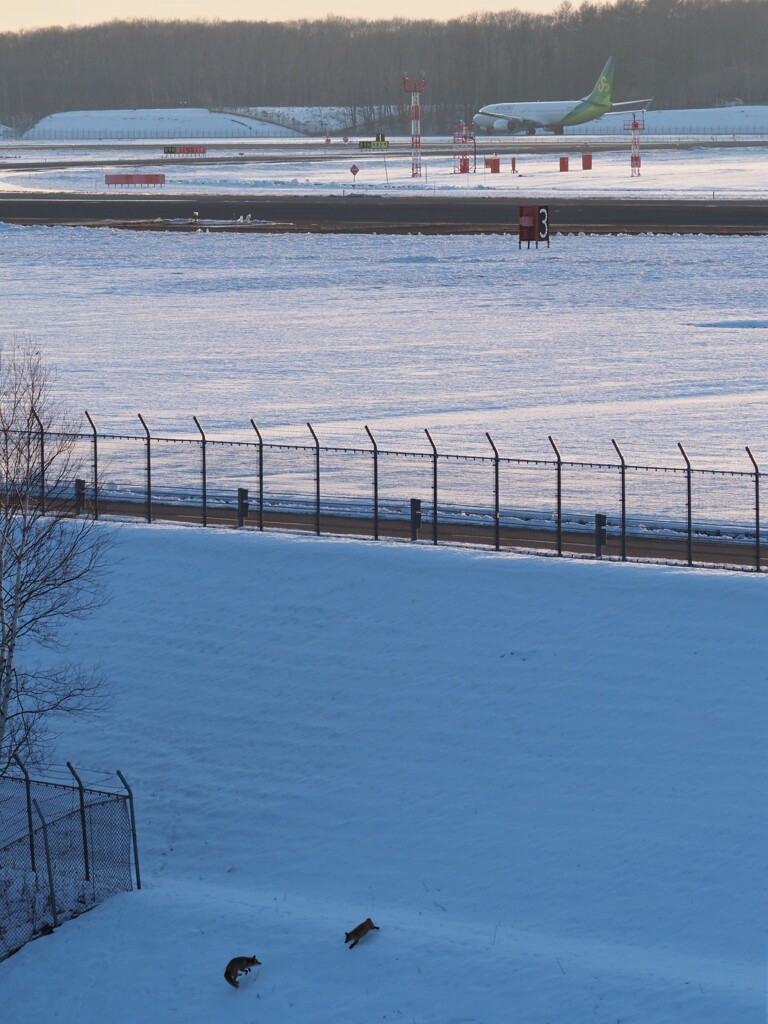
<point x="64" y="848"/>
<point x="683" y="512"/>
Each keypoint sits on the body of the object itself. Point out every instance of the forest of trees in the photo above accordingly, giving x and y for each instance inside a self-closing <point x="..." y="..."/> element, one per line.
<point x="684" y="53"/>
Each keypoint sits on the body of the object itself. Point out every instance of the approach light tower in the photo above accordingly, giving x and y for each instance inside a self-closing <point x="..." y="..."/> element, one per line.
<point x="464" y="149"/>
<point x="415" y="88"/>
<point x="636" y="125"/>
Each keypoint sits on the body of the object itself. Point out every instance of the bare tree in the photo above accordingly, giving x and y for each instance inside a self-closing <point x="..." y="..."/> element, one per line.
<point x="51" y="560"/>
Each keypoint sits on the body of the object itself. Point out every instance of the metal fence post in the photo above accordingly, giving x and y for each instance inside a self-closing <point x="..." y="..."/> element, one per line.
<point x="48" y="864"/>
<point x="434" y="486"/>
<point x="689" y="502"/>
<point x="205" y="473"/>
<point x="42" y="460"/>
<point x="317" y="479"/>
<point x="95" y="466"/>
<point x="129" y="791"/>
<point x="559" y="497"/>
<point x="375" y="484"/>
<point x="82" y="821"/>
<point x="261" y="476"/>
<point x="30" y="823"/>
<point x="757" y="509"/>
<point x="623" y="501"/>
<point x="496" y="513"/>
<point x="149" y="470"/>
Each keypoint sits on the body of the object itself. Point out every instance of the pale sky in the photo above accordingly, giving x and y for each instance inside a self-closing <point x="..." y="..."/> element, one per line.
<point x="30" y="14"/>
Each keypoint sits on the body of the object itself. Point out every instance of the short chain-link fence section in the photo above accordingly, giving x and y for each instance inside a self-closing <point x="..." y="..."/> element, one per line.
<point x="64" y="848"/>
<point x="681" y="511"/>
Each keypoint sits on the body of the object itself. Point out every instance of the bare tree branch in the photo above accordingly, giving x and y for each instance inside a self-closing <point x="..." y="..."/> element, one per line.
<point x="51" y="561"/>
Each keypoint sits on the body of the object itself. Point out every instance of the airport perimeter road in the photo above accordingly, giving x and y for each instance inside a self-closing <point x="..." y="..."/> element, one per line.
<point x="721" y="551"/>
<point x="358" y="212"/>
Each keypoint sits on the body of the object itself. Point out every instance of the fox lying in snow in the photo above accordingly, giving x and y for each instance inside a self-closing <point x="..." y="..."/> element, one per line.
<point x="360" y="931"/>
<point x="239" y="965"/>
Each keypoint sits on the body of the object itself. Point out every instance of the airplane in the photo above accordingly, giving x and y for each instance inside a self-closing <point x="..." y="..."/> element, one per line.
<point x="555" y="115"/>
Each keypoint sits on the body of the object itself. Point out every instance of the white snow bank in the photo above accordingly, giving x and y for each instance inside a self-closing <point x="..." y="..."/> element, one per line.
<point x="751" y="120"/>
<point x="543" y="780"/>
<point x="193" y="122"/>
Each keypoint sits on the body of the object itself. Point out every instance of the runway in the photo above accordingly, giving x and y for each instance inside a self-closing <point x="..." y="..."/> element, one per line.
<point x="358" y="212"/>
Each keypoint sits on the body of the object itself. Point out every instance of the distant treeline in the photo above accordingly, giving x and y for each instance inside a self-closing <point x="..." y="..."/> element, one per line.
<point x="684" y="53"/>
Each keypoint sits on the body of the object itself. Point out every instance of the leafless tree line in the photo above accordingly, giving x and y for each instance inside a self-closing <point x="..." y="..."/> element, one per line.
<point x="686" y="53"/>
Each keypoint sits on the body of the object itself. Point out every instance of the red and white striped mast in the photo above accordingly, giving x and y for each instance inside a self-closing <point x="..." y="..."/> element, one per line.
<point x="415" y="88"/>
<point x="636" y="125"/>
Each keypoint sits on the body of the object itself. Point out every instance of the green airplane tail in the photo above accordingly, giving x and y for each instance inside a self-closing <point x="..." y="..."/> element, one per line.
<point x="601" y="94"/>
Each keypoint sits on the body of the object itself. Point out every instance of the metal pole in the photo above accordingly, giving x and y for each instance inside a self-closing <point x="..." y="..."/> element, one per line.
<point x="757" y="509"/>
<point x="205" y="474"/>
<point x="623" y="501"/>
<point x="317" y="479"/>
<point x="559" y="497"/>
<point x="690" y="511"/>
<point x="42" y="461"/>
<point x="95" y="466"/>
<point x="261" y="476"/>
<point x="375" y="484"/>
<point x="149" y="470"/>
<point x="48" y="864"/>
<point x="434" y="486"/>
<point x="129" y="791"/>
<point x="82" y="821"/>
<point x="496" y="515"/>
<point x="30" y="823"/>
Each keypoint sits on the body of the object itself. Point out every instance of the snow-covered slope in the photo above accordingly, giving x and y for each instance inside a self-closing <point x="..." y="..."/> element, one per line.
<point x="746" y="120"/>
<point x="277" y="122"/>
<point x="543" y="781"/>
<point x="192" y="122"/>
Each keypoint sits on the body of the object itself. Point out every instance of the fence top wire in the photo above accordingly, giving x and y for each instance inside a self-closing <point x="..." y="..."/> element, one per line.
<point x="445" y="456"/>
<point x="59" y="777"/>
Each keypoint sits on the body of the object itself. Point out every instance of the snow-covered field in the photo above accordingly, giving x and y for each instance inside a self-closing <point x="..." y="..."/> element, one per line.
<point x="544" y="782"/>
<point x="651" y="340"/>
<point x="670" y="173"/>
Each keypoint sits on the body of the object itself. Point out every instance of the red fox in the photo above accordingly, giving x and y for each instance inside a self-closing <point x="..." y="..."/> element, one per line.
<point x="239" y="965"/>
<point x="360" y="931"/>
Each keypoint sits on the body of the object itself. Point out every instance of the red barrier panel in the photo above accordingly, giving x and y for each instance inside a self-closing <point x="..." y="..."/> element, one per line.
<point x="563" y="163"/>
<point x="586" y="161"/>
<point x="134" y="179"/>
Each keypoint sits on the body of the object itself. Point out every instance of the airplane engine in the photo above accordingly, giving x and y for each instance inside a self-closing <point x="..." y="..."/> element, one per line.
<point x="502" y="126"/>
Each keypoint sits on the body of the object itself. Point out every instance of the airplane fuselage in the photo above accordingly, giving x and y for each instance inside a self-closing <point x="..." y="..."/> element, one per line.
<point x="551" y="116"/>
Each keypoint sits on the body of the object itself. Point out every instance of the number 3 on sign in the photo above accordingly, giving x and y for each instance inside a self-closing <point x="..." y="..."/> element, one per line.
<point x="544" y="224"/>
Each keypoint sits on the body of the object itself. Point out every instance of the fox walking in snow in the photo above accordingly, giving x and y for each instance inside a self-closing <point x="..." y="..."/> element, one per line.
<point x="239" y="965"/>
<point x="357" y="933"/>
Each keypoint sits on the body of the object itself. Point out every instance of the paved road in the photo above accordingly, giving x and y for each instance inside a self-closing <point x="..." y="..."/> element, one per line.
<point x="707" y="551"/>
<point x="389" y="214"/>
